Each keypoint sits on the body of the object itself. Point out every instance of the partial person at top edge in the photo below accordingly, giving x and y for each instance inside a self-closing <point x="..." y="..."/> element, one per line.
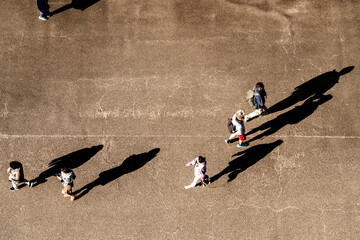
<point x="44" y="9"/>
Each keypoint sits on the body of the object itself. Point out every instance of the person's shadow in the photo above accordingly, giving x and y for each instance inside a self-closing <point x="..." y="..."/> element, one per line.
<point x="129" y="165"/>
<point x="76" y="4"/>
<point x="246" y="159"/>
<point x="314" y="87"/>
<point x="71" y="160"/>
<point x="293" y="116"/>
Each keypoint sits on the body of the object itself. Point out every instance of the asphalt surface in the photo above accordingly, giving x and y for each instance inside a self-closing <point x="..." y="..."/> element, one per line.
<point x="127" y="92"/>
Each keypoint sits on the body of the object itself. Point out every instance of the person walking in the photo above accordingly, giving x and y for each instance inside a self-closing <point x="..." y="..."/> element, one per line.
<point x="43" y="7"/>
<point x="199" y="164"/>
<point x="66" y="177"/>
<point x="259" y="102"/>
<point x="238" y="123"/>
<point x="16" y="175"/>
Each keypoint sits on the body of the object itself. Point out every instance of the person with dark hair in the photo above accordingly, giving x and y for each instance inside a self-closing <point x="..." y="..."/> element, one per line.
<point x="259" y="102"/>
<point x="66" y="177"/>
<point x="43" y="7"/>
<point x="199" y="164"/>
<point x="16" y="175"/>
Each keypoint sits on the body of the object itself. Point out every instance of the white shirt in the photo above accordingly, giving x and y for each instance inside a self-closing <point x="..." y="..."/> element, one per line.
<point x="240" y="127"/>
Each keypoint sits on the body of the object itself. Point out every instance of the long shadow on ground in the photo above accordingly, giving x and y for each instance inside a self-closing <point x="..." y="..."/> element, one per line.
<point x="312" y="88"/>
<point x="246" y="159"/>
<point x="293" y="116"/>
<point x="76" y="4"/>
<point x="130" y="164"/>
<point x="72" y="160"/>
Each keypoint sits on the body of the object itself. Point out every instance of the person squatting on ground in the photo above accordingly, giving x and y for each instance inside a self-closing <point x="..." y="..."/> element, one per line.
<point x="238" y="122"/>
<point x="199" y="164"/>
<point x="43" y="7"/>
<point x="259" y="102"/>
<point x="66" y="177"/>
<point x="16" y="175"/>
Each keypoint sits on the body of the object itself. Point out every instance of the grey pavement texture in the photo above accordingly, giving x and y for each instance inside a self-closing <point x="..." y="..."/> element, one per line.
<point x="163" y="77"/>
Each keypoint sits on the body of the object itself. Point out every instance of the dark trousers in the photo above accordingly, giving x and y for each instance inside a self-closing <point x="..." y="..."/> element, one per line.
<point x="43" y="6"/>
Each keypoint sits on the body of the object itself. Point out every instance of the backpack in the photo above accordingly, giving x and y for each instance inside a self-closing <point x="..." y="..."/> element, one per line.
<point x="250" y="97"/>
<point x="230" y="126"/>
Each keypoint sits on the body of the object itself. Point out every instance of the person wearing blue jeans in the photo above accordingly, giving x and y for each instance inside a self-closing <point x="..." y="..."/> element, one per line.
<point x="259" y="102"/>
<point x="43" y="7"/>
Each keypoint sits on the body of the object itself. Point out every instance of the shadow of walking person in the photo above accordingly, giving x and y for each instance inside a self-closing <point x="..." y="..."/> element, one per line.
<point x="130" y="164"/>
<point x="314" y="87"/>
<point x="72" y="160"/>
<point x="293" y="116"/>
<point x="76" y="4"/>
<point x="246" y="159"/>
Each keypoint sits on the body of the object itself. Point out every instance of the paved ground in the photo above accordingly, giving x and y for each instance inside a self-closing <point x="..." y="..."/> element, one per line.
<point x="159" y="79"/>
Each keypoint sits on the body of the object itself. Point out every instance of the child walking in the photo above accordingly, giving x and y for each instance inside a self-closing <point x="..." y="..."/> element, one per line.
<point x="199" y="164"/>
<point x="16" y="175"/>
<point x="259" y="102"/>
<point x="66" y="177"/>
<point x="238" y="122"/>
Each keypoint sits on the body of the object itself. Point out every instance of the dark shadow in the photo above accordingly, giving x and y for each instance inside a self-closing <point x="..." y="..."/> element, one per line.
<point x="72" y="160"/>
<point x="312" y="88"/>
<point x="129" y="165"/>
<point x="246" y="159"/>
<point x="76" y="4"/>
<point x="293" y="116"/>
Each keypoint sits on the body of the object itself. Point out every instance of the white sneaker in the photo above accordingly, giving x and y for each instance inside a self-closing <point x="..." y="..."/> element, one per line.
<point x="187" y="187"/>
<point x="62" y="191"/>
<point x="44" y="17"/>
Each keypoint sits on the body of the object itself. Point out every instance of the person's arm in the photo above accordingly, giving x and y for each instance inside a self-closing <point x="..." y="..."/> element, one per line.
<point x="192" y="162"/>
<point x="14" y="174"/>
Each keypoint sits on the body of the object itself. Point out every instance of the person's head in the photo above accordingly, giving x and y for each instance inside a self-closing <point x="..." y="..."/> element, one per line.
<point x="260" y="86"/>
<point x="15" y="164"/>
<point x="201" y="159"/>
<point x="240" y="114"/>
<point x="65" y="170"/>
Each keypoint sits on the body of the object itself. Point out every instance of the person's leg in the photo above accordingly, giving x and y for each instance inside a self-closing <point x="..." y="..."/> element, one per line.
<point x="232" y="136"/>
<point x="29" y="183"/>
<point x="193" y="183"/>
<point x="68" y="192"/>
<point x="43" y="7"/>
<point x="242" y="141"/>
<point x="14" y="185"/>
<point x="205" y="181"/>
<point x="254" y="114"/>
<point x="241" y="138"/>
